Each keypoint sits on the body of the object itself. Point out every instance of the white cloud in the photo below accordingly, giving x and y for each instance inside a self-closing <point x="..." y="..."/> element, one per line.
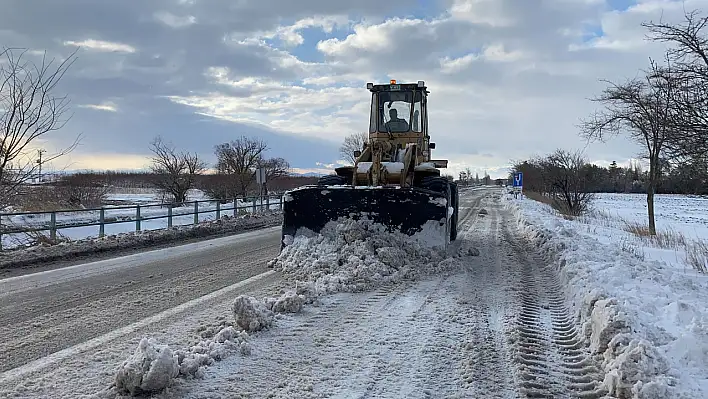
<point x="105" y="106"/>
<point x="100" y="45"/>
<point x="508" y="78"/>
<point x="175" y="21"/>
<point x="489" y="12"/>
<point x="491" y="53"/>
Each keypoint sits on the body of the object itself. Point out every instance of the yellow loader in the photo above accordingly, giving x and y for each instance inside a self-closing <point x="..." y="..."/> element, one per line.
<point x="394" y="181"/>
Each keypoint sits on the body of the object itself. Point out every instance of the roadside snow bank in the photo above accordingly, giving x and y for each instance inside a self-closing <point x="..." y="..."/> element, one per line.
<point x="134" y="240"/>
<point x="646" y="320"/>
<point x="352" y="256"/>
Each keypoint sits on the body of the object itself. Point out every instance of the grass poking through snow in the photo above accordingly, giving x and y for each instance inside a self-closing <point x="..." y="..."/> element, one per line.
<point x="666" y="239"/>
<point x="697" y="255"/>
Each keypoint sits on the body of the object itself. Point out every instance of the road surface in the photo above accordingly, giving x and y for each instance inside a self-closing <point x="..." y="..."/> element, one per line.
<point x="49" y="311"/>
<point x="498" y="328"/>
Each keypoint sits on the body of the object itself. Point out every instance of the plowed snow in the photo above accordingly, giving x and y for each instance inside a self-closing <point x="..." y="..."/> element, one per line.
<point x="354" y="256"/>
<point x="387" y="318"/>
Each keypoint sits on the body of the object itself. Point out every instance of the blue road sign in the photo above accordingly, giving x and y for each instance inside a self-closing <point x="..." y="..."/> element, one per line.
<point x="518" y="179"/>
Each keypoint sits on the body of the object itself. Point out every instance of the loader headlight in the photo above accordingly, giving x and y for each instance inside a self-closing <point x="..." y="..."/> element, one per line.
<point x="369" y="86"/>
<point x="421" y="83"/>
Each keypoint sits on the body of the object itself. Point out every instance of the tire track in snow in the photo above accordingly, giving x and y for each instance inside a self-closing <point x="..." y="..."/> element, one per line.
<point x="486" y="366"/>
<point x="552" y="360"/>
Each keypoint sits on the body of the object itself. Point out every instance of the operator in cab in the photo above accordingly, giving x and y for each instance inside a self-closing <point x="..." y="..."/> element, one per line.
<point x="396" y="124"/>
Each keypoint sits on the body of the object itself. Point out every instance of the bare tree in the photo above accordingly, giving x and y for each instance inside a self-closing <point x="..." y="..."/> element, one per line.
<point x="353" y="142"/>
<point x="28" y="111"/>
<point x="275" y="167"/>
<point x="567" y="181"/>
<point x="689" y="58"/>
<point x="176" y="171"/>
<point x="239" y="159"/>
<point x="641" y="108"/>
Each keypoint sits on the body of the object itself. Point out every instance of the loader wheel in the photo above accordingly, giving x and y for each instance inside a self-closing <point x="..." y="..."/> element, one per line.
<point x="331" y="180"/>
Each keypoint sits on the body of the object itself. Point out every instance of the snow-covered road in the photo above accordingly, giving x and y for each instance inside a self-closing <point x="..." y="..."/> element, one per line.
<point x="498" y="328"/>
<point x="46" y="312"/>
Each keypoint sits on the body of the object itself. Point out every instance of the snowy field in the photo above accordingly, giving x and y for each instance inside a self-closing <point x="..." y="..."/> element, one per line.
<point x="524" y="304"/>
<point x="687" y="215"/>
<point x="122" y="218"/>
<point x="653" y="300"/>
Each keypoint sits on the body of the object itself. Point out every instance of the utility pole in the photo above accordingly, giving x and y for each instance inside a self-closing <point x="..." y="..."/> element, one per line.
<point x="39" y="161"/>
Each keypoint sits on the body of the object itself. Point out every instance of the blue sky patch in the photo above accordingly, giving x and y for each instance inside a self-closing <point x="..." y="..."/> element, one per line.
<point x="620" y="5"/>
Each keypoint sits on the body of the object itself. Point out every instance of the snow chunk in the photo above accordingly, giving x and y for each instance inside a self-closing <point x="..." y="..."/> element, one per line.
<point x="607" y="322"/>
<point x="150" y="369"/>
<point x="289" y="302"/>
<point x="631" y="367"/>
<point x="193" y="359"/>
<point x="251" y="314"/>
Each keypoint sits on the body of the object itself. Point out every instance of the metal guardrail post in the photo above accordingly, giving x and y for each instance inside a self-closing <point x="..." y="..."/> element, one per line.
<point x="267" y="203"/>
<point x="254" y="206"/>
<point x="101" y="221"/>
<point x="280" y="203"/>
<point x="196" y="212"/>
<point x="235" y="207"/>
<point x="53" y="226"/>
<point x="218" y="210"/>
<point x="169" y="216"/>
<point x="137" y="218"/>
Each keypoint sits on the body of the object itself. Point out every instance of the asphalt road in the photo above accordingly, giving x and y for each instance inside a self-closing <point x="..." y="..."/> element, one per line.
<point x="46" y="312"/>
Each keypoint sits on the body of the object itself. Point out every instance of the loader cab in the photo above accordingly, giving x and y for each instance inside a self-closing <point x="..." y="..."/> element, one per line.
<point x="399" y="113"/>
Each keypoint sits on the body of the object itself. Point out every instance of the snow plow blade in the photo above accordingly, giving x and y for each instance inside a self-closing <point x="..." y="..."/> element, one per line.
<point x="406" y="210"/>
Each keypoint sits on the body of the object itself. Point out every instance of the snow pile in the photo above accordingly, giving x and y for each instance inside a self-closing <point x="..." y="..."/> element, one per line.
<point x="153" y="366"/>
<point x="193" y="360"/>
<point x="134" y="240"/>
<point x="646" y="320"/>
<point x="150" y="369"/>
<point x="353" y="256"/>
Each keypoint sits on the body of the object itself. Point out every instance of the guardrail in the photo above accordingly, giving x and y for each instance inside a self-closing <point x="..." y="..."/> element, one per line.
<point x="54" y="221"/>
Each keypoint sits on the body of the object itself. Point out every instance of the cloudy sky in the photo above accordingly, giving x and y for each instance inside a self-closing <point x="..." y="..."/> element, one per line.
<point x="508" y="78"/>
